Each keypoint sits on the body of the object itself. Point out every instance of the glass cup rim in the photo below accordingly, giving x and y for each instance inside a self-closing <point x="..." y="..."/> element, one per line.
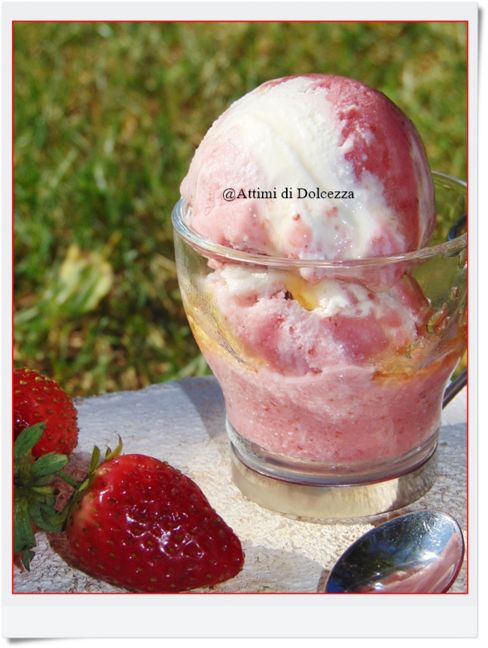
<point x="218" y="251"/>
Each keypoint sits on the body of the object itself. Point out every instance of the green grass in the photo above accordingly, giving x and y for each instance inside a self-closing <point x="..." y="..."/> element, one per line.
<point x="107" y="117"/>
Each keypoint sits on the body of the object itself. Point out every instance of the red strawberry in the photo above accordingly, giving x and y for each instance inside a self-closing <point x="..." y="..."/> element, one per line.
<point x="139" y="523"/>
<point x="39" y="399"/>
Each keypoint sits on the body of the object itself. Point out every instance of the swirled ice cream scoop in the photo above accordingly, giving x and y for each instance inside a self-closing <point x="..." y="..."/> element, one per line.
<point x="296" y="138"/>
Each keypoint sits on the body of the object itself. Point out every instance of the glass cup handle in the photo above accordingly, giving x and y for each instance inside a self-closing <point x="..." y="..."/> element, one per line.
<point x="454" y="388"/>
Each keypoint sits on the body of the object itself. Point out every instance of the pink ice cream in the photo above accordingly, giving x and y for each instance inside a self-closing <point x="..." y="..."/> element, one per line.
<point x="316" y="366"/>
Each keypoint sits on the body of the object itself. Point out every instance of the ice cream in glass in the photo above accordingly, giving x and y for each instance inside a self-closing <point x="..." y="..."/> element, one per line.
<point x="318" y="280"/>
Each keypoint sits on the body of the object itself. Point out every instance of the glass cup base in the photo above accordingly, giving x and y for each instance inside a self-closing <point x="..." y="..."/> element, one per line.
<point x="327" y="498"/>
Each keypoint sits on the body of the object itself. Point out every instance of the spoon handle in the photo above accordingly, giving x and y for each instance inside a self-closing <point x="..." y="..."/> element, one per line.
<point x="454" y="388"/>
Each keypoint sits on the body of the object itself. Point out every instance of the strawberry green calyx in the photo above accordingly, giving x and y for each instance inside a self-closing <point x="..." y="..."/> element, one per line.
<point x="34" y="493"/>
<point x="95" y="463"/>
<point x="34" y="497"/>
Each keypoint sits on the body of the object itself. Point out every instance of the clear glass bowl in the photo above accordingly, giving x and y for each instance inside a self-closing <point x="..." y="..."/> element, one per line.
<point x="345" y="393"/>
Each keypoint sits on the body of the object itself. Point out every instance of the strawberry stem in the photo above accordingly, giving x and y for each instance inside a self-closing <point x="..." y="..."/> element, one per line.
<point x="69" y="480"/>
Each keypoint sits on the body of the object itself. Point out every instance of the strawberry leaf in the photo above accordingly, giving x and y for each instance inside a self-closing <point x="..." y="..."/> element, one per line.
<point x="46" y="480"/>
<point x="95" y="459"/>
<point x="24" y="538"/>
<point x="111" y="454"/>
<point x="46" y="517"/>
<point x="27" y="439"/>
<point x="69" y="480"/>
<point x="26" y="556"/>
<point x="46" y="491"/>
<point x="48" y="464"/>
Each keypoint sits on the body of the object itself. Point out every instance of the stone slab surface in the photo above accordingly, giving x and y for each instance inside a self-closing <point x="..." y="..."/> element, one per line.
<point x="183" y="423"/>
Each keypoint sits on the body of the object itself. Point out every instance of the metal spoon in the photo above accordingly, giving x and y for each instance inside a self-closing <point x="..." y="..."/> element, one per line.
<point x="418" y="553"/>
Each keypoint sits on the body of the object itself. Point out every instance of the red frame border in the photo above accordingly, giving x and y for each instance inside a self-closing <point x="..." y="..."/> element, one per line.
<point x="189" y="593"/>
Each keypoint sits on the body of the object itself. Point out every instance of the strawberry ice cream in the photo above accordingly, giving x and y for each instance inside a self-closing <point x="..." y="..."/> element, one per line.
<point x="333" y="372"/>
<point x="326" y="367"/>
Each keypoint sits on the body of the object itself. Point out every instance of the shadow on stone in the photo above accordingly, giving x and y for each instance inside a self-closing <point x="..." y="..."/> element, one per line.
<point x="206" y="396"/>
<point x="269" y="570"/>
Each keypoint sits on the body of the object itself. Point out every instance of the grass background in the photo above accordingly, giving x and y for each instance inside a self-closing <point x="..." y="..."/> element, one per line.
<point x="107" y="117"/>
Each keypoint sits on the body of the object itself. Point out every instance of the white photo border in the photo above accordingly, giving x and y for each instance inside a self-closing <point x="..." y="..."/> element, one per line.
<point x="235" y="615"/>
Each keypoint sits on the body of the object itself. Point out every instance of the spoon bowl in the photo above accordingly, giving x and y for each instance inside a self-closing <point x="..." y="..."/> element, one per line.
<point x="419" y="553"/>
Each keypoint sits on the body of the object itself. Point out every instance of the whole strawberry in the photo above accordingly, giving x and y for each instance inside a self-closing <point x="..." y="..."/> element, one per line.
<point x="139" y="523"/>
<point x="39" y="399"/>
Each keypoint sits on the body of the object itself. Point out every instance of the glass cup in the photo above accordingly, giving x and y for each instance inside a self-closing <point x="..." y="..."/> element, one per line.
<point x="332" y="372"/>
